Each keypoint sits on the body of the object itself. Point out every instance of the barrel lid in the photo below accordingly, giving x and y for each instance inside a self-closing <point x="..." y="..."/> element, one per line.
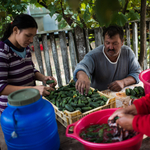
<point x="23" y="97"/>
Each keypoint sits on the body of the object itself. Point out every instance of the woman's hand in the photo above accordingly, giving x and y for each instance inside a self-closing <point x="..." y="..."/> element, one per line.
<point x="131" y="110"/>
<point x="117" y="113"/>
<point x="125" y="121"/>
<point x="46" y="78"/>
<point x="43" y="89"/>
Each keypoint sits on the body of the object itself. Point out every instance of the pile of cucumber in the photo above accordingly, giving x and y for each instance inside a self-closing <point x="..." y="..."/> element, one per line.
<point x="135" y="93"/>
<point x="67" y="98"/>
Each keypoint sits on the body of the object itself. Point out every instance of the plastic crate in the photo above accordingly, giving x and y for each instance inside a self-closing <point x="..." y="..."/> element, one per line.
<point x="66" y="118"/>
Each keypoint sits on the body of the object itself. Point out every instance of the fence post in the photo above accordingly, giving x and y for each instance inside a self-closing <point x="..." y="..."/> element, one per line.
<point x="37" y="51"/>
<point x="63" y="46"/>
<point x="98" y="37"/>
<point x="135" y="39"/>
<point x="72" y="51"/>
<point x="80" y="43"/>
<point x="87" y="40"/>
<point x="46" y="55"/>
<point x="127" y="28"/>
<point x="55" y="57"/>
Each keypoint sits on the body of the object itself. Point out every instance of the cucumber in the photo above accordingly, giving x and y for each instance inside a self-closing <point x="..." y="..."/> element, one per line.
<point x="136" y="90"/>
<point x="50" y="81"/>
<point x="127" y="91"/>
<point x="86" y="108"/>
<point x="104" y="98"/>
<point x="94" y="104"/>
<point x="95" y="95"/>
<point x="73" y="104"/>
<point x="81" y="105"/>
<point x="69" y="107"/>
<point x="141" y="90"/>
<point x="133" y="93"/>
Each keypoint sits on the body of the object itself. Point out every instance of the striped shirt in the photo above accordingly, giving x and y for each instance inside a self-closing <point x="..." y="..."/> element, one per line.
<point x="14" y="70"/>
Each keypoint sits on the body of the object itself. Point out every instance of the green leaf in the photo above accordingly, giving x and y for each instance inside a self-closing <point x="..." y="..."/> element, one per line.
<point x="63" y="24"/>
<point x="52" y="9"/>
<point x="59" y="17"/>
<point x="132" y="15"/>
<point x="86" y="15"/>
<point x="122" y="2"/>
<point x="105" y="9"/>
<point x="119" y="19"/>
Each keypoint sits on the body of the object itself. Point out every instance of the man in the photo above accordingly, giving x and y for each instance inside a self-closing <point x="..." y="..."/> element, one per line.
<point x="110" y="66"/>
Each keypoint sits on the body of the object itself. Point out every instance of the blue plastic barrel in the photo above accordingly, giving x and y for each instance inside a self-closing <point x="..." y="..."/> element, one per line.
<point x="29" y="123"/>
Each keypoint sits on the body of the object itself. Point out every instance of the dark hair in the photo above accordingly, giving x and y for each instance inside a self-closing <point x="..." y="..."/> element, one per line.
<point x="22" y="21"/>
<point x="113" y="30"/>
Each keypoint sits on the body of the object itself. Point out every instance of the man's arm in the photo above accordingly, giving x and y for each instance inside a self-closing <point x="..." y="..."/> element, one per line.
<point x="83" y="71"/>
<point x="83" y="82"/>
<point x="134" y="66"/>
<point x="118" y="85"/>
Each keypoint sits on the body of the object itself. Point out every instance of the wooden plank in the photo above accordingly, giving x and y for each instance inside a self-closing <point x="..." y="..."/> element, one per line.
<point x="80" y="43"/>
<point x="127" y="28"/>
<point x="101" y="35"/>
<point x="97" y="35"/>
<point x="63" y="46"/>
<point x="135" y="39"/>
<point x="87" y="40"/>
<point x="52" y="31"/>
<point x="55" y="57"/>
<point x="37" y="51"/>
<point x="72" y="50"/>
<point x="46" y="55"/>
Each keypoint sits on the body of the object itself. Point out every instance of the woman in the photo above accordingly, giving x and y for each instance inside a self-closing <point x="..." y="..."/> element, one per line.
<point x="135" y="117"/>
<point x="16" y="66"/>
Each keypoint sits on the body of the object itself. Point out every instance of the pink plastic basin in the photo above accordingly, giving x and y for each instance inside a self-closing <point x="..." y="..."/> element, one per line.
<point x="102" y="117"/>
<point x="145" y="78"/>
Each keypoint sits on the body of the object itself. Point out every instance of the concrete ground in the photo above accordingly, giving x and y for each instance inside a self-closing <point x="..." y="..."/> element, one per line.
<point x="69" y="143"/>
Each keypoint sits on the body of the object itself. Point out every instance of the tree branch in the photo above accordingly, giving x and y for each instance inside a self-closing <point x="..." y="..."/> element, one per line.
<point x="82" y="21"/>
<point x="125" y="7"/>
<point x="67" y="17"/>
<point x="42" y="3"/>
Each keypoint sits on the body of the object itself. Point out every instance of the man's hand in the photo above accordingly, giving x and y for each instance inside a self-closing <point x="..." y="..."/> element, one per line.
<point x="83" y="82"/>
<point x="117" y="85"/>
<point x="125" y="121"/>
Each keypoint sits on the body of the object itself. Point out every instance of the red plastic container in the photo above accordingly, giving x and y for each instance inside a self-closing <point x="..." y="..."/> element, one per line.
<point x="41" y="47"/>
<point x="145" y="78"/>
<point x="102" y="117"/>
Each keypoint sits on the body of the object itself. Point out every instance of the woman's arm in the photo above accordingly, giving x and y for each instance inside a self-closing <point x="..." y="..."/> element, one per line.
<point x="43" y="90"/>
<point x="43" y="78"/>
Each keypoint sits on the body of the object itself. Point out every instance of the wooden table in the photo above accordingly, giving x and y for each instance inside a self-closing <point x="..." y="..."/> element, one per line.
<point x="122" y="100"/>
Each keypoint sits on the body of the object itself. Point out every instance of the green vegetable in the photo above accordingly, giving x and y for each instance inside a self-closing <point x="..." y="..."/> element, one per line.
<point x="94" y="104"/>
<point x="86" y="108"/>
<point x="50" y="81"/>
<point x="100" y="133"/>
<point x="127" y="91"/>
<point x="133" y="93"/>
<point x="69" y="107"/>
<point x="69" y="95"/>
